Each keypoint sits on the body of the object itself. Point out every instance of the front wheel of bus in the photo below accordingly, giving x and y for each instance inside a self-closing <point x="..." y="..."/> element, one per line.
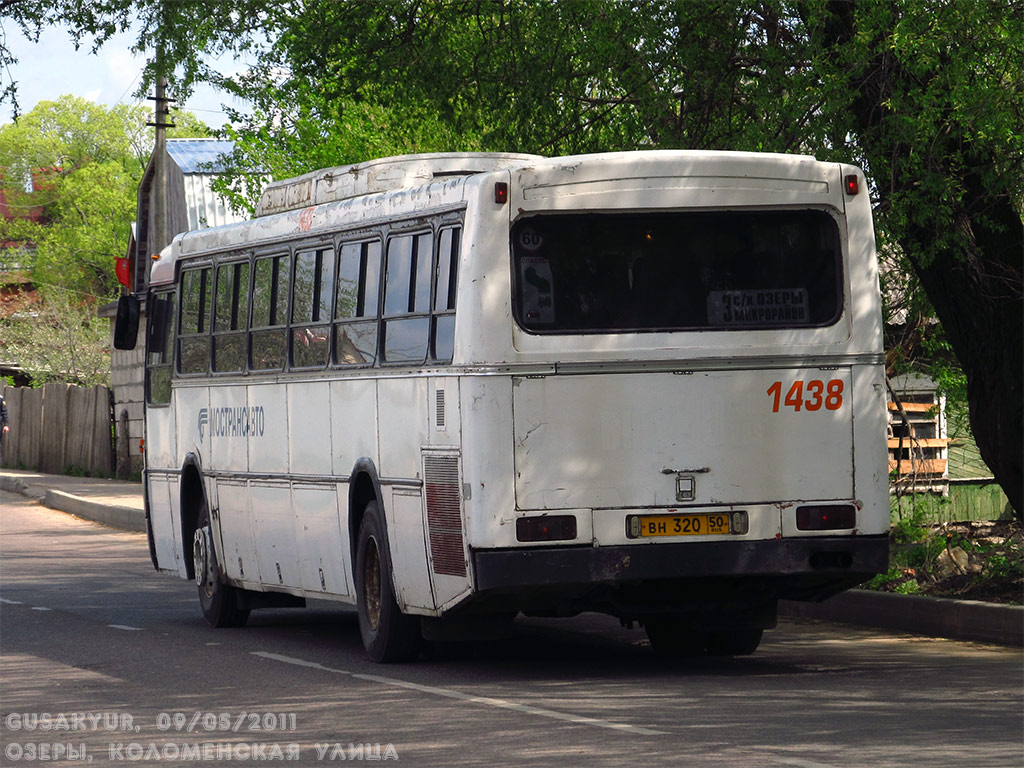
<point x="388" y="634"/>
<point x="219" y="601"/>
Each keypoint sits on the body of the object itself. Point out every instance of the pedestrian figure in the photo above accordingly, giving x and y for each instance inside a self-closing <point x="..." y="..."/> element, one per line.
<point x="4" y="428"/>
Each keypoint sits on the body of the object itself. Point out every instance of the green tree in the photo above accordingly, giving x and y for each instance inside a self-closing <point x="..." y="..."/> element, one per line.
<point x="61" y="340"/>
<point x="85" y="162"/>
<point x="936" y="103"/>
<point x="926" y="96"/>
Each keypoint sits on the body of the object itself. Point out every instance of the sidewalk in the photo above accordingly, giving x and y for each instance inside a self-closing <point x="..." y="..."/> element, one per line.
<point x="116" y="503"/>
<point x="119" y="504"/>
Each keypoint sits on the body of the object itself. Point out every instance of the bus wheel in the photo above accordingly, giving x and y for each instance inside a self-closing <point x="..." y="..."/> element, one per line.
<point x="388" y="634"/>
<point x="675" y="639"/>
<point x="219" y="601"/>
<point x="736" y="642"/>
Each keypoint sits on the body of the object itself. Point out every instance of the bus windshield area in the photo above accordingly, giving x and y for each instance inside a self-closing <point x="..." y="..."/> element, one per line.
<point x="607" y="272"/>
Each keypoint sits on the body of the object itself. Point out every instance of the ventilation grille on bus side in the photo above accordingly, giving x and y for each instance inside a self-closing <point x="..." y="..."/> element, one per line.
<point x="444" y="514"/>
<point x="439" y="421"/>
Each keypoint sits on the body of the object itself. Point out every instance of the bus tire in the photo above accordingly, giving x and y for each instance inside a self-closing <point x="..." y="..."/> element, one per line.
<point x="220" y="602"/>
<point x="735" y="642"/>
<point x="673" y="638"/>
<point x="388" y="634"/>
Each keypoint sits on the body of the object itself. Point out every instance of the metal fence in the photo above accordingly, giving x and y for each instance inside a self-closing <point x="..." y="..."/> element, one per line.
<point x="59" y="428"/>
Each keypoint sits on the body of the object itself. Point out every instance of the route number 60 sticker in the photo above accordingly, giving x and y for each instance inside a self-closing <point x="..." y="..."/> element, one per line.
<point x="808" y="395"/>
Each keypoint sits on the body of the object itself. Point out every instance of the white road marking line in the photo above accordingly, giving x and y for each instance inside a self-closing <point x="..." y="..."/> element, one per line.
<point x="5" y="601"/>
<point x="799" y="762"/>
<point x="40" y="608"/>
<point x="125" y="627"/>
<point x="448" y="693"/>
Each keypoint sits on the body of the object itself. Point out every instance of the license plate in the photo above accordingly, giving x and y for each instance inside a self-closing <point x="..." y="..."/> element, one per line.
<point x="643" y="526"/>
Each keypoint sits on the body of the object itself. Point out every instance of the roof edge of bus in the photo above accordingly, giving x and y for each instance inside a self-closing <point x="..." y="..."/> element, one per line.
<point x="386" y="174"/>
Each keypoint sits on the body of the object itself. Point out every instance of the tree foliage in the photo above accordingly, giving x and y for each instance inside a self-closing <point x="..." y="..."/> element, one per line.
<point x="85" y="162"/>
<point x="926" y="95"/>
<point x="62" y="340"/>
<point x="67" y="227"/>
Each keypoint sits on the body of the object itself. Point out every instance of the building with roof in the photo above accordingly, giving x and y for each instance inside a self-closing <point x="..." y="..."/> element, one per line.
<point x="192" y="165"/>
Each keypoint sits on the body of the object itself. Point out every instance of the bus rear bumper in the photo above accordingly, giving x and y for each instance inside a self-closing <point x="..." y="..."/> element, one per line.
<point x="795" y="568"/>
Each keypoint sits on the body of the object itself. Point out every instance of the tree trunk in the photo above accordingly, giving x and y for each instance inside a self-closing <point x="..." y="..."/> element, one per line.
<point x="984" y="322"/>
<point x="974" y="284"/>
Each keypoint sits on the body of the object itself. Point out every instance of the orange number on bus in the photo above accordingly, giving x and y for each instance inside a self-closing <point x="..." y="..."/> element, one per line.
<point x="809" y="396"/>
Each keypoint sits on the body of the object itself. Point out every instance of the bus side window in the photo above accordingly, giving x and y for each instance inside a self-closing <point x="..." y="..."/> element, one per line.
<point x="268" y="335"/>
<point x="159" y="355"/>
<point x="443" y="327"/>
<point x="407" y="280"/>
<point x="356" y="304"/>
<point x="311" y="308"/>
<point x="194" y="335"/>
<point x="231" y="311"/>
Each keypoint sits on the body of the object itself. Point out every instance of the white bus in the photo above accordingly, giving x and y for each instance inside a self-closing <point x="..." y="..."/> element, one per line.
<point x="448" y="389"/>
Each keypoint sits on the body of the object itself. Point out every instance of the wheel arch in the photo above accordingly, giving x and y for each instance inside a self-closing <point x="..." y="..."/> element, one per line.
<point x="363" y="487"/>
<point x="193" y="495"/>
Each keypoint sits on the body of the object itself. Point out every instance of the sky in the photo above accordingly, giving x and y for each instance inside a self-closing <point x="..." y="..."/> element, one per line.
<point x="52" y="67"/>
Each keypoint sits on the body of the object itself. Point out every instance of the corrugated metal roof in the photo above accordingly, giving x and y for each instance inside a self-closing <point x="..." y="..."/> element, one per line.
<point x="198" y="155"/>
<point x="204" y="207"/>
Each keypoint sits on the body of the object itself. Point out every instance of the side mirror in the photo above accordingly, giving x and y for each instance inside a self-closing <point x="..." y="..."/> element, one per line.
<point x="126" y="323"/>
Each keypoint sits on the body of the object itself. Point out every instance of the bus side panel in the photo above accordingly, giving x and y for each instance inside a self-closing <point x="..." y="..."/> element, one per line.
<point x="402" y="428"/>
<point x="161" y="447"/>
<point x="353" y="425"/>
<point x="414" y="593"/>
<point x="871" y="404"/>
<point x="322" y="561"/>
<point x="309" y="428"/>
<point x="194" y="424"/>
<point x="237" y="551"/>
<point x="163" y="489"/>
<point x="872" y="455"/>
<point x="488" y="468"/>
<point x="164" y="524"/>
<point x="402" y="425"/>
<point x="274" y="529"/>
<point x="230" y="425"/>
<point x="268" y="444"/>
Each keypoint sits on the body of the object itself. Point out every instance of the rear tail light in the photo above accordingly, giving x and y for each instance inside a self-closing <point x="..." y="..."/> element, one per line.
<point x="550" y="528"/>
<point x="822" y="517"/>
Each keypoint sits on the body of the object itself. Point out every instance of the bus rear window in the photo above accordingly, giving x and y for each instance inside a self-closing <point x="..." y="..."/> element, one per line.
<point x="606" y="273"/>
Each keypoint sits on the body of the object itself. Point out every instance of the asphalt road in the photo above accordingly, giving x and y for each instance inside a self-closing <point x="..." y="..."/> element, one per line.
<point x="105" y="662"/>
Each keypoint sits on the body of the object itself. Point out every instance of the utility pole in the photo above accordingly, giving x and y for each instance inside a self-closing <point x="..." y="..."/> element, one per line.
<point x="157" y="234"/>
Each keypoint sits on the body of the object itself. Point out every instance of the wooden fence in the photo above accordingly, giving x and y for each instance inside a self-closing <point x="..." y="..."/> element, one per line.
<point x="59" y="428"/>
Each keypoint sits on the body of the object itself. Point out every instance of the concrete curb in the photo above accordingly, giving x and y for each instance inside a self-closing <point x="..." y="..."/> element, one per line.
<point x="930" y="616"/>
<point x="126" y="518"/>
<point x="16" y="485"/>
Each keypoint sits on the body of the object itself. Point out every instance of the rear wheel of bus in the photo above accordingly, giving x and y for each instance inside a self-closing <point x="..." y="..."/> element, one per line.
<point x="675" y="638"/>
<point x="388" y="634"/>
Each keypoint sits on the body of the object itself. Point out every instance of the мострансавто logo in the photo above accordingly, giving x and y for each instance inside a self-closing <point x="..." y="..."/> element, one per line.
<point x="241" y="421"/>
